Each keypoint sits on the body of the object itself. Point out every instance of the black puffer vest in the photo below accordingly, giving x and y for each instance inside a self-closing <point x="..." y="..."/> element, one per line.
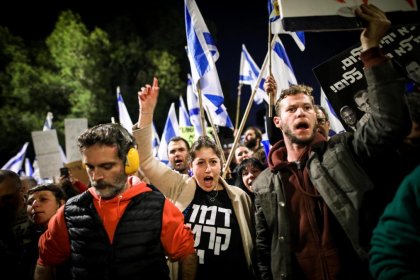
<point x="136" y="252"/>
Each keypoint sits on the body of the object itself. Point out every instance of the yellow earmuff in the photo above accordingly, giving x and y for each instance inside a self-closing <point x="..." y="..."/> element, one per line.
<point x="132" y="162"/>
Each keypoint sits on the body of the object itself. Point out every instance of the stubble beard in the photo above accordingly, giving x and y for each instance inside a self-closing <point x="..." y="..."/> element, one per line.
<point x="296" y="140"/>
<point x="106" y="190"/>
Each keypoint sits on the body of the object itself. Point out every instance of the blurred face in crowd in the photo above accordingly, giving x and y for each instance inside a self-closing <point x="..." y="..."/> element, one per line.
<point x="323" y="123"/>
<point x="250" y="139"/>
<point x="206" y="167"/>
<point x="297" y="119"/>
<point x="249" y="174"/>
<point x="11" y="200"/>
<point x="105" y="169"/>
<point x="413" y="71"/>
<point x="242" y="153"/>
<point x="41" y="206"/>
<point x="178" y="156"/>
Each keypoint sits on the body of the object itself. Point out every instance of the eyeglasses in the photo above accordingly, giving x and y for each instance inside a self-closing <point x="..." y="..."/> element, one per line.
<point x="321" y="121"/>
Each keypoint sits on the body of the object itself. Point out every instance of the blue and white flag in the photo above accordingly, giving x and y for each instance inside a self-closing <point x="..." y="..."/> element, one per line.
<point x="194" y="109"/>
<point x="281" y="68"/>
<point x="123" y="114"/>
<point x="184" y="117"/>
<point x="155" y="141"/>
<point x="203" y="54"/>
<point x="15" y="163"/>
<point x="335" y="125"/>
<point x="248" y="74"/>
<point x="170" y="130"/>
<point x="277" y="27"/>
<point x="265" y="141"/>
<point x="29" y="170"/>
<point x="48" y="125"/>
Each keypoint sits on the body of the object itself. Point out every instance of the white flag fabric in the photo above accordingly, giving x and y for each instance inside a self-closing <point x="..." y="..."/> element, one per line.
<point x="265" y="141"/>
<point x="123" y="114"/>
<point x="15" y="163"/>
<point x="170" y="130"/>
<point x="155" y="141"/>
<point x="184" y="117"/>
<point x="248" y="74"/>
<point x="194" y="109"/>
<point x="335" y="125"/>
<point x="48" y="125"/>
<point x="281" y="68"/>
<point x="277" y="27"/>
<point x="29" y="170"/>
<point x="203" y="54"/>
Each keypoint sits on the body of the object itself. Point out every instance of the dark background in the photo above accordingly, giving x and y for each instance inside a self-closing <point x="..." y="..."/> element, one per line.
<point x="232" y="24"/>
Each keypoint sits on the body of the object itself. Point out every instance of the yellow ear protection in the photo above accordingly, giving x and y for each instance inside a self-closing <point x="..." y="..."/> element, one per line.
<point x="132" y="161"/>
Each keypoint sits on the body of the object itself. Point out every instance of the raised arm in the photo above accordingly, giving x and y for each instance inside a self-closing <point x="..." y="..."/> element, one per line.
<point x="148" y="96"/>
<point x="389" y="121"/>
<point x="160" y="175"/>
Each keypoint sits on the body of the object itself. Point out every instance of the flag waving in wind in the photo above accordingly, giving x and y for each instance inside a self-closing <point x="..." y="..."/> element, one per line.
<point x="335" y="125"/>
<point x="277" y="27"/>
<point x="123" y="114"/>
<point x="170" y="130"/>
<point x="203" y="54"/>
<point x="194" y="109"/>
<point x="282" y="69"/>
<point x="248" y="74"/>
<point x="15" y="163"/>
<point x="184" y="117"/>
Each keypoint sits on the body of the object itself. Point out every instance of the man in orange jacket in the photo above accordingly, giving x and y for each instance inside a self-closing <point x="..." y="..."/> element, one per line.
<point x="119" y="228"/>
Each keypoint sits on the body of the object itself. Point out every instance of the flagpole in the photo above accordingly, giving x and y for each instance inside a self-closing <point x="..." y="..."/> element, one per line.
<point x="271" y="94"/>
<point x="216" y="136"/>
<point x="245" y="117"/>
<point x="238" y="106"/>
<point x="200" y="103"/>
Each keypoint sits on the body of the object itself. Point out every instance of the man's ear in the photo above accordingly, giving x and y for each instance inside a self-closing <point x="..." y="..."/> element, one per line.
<point x="277" y="122"/>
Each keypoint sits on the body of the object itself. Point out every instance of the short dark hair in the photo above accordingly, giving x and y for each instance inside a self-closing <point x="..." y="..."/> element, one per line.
<point x="8" y="174"/>
<point x="254" y="162"/>
<point x="293" y="90"/>
<point x="179" y="138"/>
<point x="56" y="190"/>
<point x="319" y="107"/>
<point x="204" y="142"/>
<point x="110" y="134"/>
<point x="257" y="131"/>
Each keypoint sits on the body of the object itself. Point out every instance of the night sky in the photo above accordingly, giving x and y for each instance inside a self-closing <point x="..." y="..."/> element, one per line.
<point x="245" y="23"/>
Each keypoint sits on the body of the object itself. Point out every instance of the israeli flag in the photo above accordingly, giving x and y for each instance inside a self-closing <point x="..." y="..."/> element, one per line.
<point x="248" y="74"/>
<point x="277" y="27"/>
<point x="281" y="67"/>
<point x="203" y="54"/>
<point x="335" y="124"/>
<point x="170" y="130"/>
<point x="184" y="117"/>
<point x="155" y="141"/>
<point x="15" y="163"/>
<point x="123" y="114"/>
<point x="194" y="109"/>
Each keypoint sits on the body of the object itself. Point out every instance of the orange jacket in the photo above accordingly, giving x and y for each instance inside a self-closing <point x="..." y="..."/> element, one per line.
<point x="176" y="238"/>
